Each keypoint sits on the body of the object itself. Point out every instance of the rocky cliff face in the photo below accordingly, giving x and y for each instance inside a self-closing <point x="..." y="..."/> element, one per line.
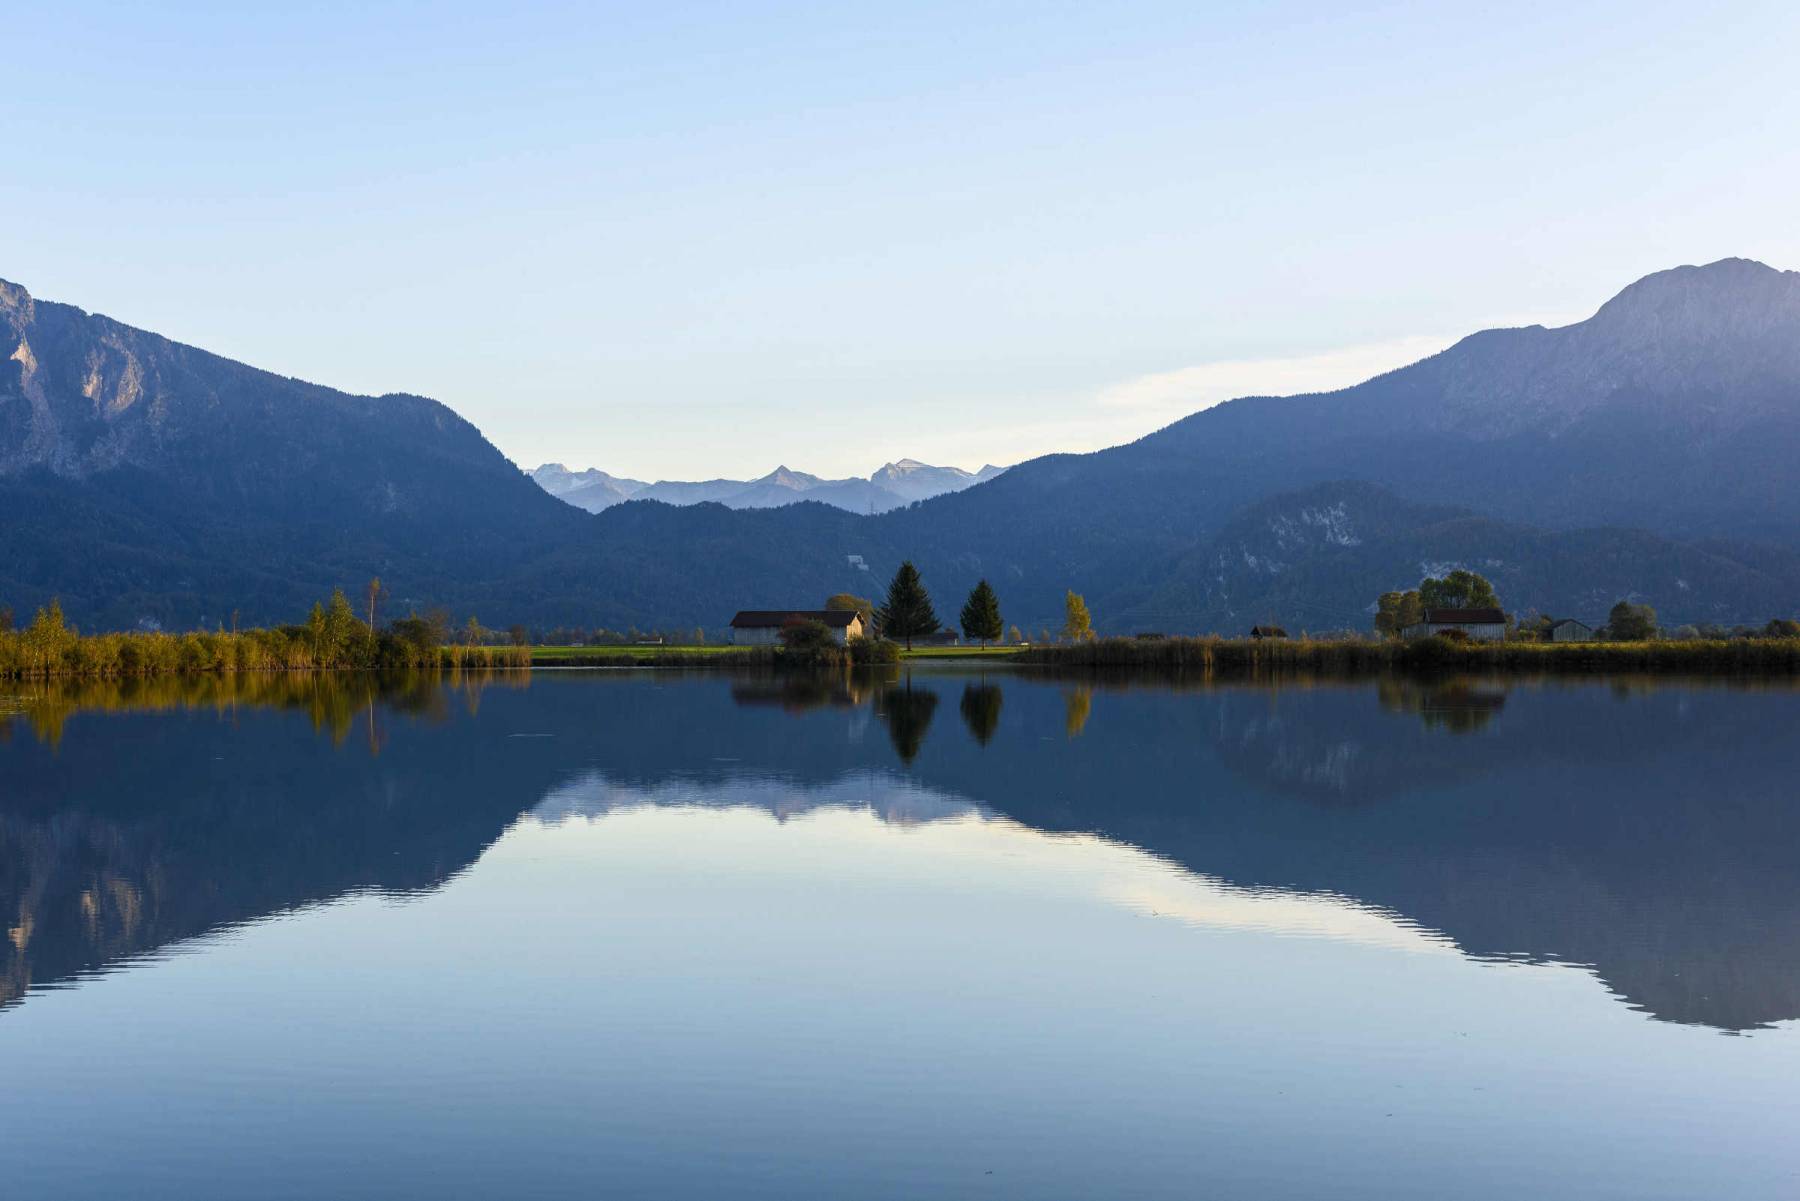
<point x="145" y="479"/>
<point x="83" y="394"/>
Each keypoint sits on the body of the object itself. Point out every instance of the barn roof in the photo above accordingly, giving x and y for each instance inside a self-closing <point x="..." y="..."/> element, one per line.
<point x="1464" y="617"/>
<point x="765" y="619"/>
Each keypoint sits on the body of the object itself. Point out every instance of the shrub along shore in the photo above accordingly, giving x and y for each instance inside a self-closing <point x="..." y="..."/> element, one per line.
<point x="1351" y="656"/>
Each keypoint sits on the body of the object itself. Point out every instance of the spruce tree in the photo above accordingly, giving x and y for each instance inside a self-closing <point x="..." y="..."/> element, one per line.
<point x="981" y="615"/>
<point x="907" y="613"/>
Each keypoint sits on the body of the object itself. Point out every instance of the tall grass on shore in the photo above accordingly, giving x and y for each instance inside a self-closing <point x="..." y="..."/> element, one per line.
<point x="1352" y="657"/>
<point x="333" y="639"/>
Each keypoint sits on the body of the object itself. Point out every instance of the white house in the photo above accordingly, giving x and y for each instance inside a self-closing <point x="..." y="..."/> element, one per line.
<point x="762" y="627"/>
<point x="1569" y="630"/>
<point x="1481" y="625"/>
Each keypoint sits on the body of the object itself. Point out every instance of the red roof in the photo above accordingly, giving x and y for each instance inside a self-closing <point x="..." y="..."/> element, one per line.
<point x="765" y="619"/>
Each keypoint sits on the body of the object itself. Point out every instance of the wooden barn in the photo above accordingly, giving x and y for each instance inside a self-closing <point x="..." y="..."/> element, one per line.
<point x="762" y="627"/>
<point x="1480" y="625"/>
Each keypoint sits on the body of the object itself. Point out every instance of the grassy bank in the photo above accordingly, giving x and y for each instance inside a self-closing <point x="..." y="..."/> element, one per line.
<point x="721" y="655"/>
<point x="1353" y="657"/>
<point x="962" y="652"/>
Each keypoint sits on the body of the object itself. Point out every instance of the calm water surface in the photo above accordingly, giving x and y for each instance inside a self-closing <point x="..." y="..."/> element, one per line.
<point x="615" y="934"/>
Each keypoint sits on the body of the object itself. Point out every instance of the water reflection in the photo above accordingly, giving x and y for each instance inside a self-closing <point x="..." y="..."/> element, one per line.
<point x="907" y="713"/>
<point x="1078" y="703"/>
<point x="981" y="710"/>
<point x="1645" y="833"/>
<point x="1460" y="706"/>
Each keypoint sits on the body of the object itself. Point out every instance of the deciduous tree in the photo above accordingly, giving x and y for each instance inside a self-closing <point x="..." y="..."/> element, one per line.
<point x="1459" y="590"/>
<point x="1077" y="625"/>
<point x="849" y="602"/>
<point x="1631" y="623"/>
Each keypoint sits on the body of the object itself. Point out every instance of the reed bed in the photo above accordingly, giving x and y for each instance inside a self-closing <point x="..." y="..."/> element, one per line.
<point x="333" y="640"/>
<point x="1366" y="657"/>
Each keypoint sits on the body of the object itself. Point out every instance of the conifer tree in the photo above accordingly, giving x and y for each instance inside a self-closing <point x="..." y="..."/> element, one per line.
<point x="981" y="615"/>
<point x="907" y="613"/>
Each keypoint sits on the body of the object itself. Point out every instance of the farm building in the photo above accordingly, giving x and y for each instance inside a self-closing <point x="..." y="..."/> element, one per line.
<point x="1481" y="625"/>
<point x="1261" y="632"/>
<point x="1569" y="630"/>
<point x="762" y="627"/>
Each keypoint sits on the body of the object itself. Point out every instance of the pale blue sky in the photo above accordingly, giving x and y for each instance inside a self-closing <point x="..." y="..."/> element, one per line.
<point x="688" y="240"/>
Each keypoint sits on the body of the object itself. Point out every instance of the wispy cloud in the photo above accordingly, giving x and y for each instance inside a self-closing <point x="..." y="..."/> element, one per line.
<point x="1187" y="390"/>
<point x="1083" y="421"/>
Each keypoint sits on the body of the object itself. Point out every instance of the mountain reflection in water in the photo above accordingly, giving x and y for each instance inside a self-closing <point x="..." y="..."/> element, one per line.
<point x="1644" y="831"/>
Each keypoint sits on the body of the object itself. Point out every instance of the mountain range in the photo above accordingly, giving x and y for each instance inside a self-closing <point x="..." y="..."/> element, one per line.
<point x="1650" y="452"/>
<point x="893" y="486"/>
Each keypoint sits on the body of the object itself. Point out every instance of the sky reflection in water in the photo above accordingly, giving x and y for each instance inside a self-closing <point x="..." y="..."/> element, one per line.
<point x="958" y="935"/>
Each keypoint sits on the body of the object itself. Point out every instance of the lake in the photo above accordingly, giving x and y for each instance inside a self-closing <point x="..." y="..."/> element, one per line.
<point x="947" y="934"/>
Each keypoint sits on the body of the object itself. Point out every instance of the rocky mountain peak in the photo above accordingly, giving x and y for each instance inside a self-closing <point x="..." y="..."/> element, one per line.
<point x="1733" y="300"/>
<point x="15" y="304"/>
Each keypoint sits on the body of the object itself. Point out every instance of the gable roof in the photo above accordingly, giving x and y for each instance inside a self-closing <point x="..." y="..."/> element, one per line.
<point x="1464" y="617"/>
<point x="1267" y="632"/>
<point x="1569" y="621"/>
<point x="764" y="619"/>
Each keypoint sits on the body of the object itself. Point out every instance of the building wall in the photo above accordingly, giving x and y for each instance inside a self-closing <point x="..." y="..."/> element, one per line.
<point x="771" y="635"/>
<point x="1479" y="633"/>
<point x="1570" y="634"/>
<point x="1493" y="632"/>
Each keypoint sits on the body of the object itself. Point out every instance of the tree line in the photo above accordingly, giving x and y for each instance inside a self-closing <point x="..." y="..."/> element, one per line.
<point x="1627" y="621"/>
<point x="907" y="613"/>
